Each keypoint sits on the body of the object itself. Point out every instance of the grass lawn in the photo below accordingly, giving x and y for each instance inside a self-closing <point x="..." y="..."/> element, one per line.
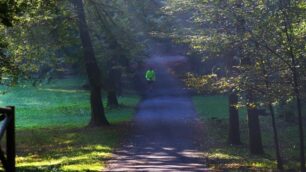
<point x="221" y="156"/>
<point x="51" y="127"/>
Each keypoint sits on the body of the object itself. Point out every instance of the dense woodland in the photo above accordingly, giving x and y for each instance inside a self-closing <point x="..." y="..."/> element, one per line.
<point x="251" y="51"/>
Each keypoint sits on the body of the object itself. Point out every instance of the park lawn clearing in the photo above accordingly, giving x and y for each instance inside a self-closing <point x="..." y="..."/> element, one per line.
<point x="221" y="156"/>
<point x="51" y="132"/>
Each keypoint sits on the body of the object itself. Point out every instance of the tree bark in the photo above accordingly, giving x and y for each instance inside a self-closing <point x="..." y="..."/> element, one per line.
<point x="276" y="142"/>
<point x="301" y="131"/>
<point x="271" y="109"/>
<point x="300" y="116"/>
<point x="113" y="80"/>
<point x="112" y="100"/>
<point x="255" y="141"/>
<point x="234" y="130"/>
<point x="93" y="72"/>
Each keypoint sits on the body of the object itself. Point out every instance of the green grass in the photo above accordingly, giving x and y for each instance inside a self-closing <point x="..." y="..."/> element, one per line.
<point x="214" y="107"/>
<point x="57" y="104"/>
<point x="65" y="149"/>
<point x="213" y="110"/>
<point x="51" y="127"/>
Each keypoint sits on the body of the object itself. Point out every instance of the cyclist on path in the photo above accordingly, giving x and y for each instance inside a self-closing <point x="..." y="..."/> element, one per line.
<point x="150" y="76"/>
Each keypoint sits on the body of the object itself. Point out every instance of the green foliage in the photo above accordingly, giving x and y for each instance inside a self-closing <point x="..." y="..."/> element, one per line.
<point x="255" y="45"/>
<point x="37" y="43"/>
<point x="8" y="9"/>
<point x="119" y="33"/>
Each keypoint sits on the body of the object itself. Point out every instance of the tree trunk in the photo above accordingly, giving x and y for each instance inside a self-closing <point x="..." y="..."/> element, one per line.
<point x="97" y="110"/>
<point x="93" y="72"/>
<point x="275" y="136"/>
<point x="255" y="142"/>
<point x="253" y="119"/>
<point x="234" y="131"/>
<point x="113" y="80"/>
<point x="112" y="100"/>
<point x="295" y="75"/>
<point x="300" y="118"/>
<point x="296" y="85"/>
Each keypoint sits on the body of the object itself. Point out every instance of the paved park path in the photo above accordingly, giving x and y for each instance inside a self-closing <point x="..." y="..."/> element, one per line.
<point x="166" y="132"/>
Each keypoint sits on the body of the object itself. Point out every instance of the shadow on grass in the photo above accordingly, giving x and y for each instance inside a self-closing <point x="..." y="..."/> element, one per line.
<point x="232" y="159"/>
<point x="66" y="149"/>
<point x="213" y="110"/>
<point x="223" y="157"/>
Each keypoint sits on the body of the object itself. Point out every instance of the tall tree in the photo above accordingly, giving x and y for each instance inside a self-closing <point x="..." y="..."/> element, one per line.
<point x="272" y="113"/>
<point x="255" y="141"/>
<point x="286" y="8"/>
<point x="93" y="72"/>
<point x="106" y="23"/>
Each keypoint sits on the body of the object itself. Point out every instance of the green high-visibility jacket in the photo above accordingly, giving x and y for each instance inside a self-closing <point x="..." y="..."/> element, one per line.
<point x="150" y="75"/>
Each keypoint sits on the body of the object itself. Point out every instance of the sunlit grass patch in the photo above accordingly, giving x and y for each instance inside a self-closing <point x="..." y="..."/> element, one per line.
<point x="83" y="166"/>
<point x="70" y="149"/>
<point x="236" y="158"/>
<point x="221" y="155"/>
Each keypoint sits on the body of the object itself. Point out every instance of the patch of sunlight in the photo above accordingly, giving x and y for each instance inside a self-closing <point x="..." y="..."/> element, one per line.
<point x="61" y="90"/>
<point x="232" y="165"/>
<point x="77" y="161"/>
<point x="68" y="141"/>
<point x="262" y="164"/>
<point x="33" y="162"/>
<point x="97" y="148"/>
<point x="83" y="167"/>
<point x="168" y="148"/>
<point x="219" y="155"/>
<point x="24" y="158"/>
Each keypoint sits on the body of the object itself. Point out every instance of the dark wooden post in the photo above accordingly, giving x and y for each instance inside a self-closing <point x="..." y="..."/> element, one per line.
<point x="10" y="141"/>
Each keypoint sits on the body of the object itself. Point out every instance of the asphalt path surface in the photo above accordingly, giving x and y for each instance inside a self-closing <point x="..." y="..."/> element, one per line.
<point x="166" y="132"/>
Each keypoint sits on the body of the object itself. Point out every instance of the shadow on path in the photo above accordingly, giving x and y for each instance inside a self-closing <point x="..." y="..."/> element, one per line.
<point x="166" y="130"/>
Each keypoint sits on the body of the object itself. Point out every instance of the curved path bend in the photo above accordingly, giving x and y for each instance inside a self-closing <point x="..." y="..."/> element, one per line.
<point x="166" y="130"/>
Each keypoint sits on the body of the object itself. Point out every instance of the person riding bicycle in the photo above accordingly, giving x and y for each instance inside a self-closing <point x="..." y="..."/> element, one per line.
<point x="150" y="75"/>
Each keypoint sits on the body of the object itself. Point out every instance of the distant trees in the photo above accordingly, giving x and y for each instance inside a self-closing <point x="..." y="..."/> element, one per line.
<point x="259" y="51"/>
<point x="114" y="36"/>
<point x="110" y="41"/>
<point x="120" y="36"/>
